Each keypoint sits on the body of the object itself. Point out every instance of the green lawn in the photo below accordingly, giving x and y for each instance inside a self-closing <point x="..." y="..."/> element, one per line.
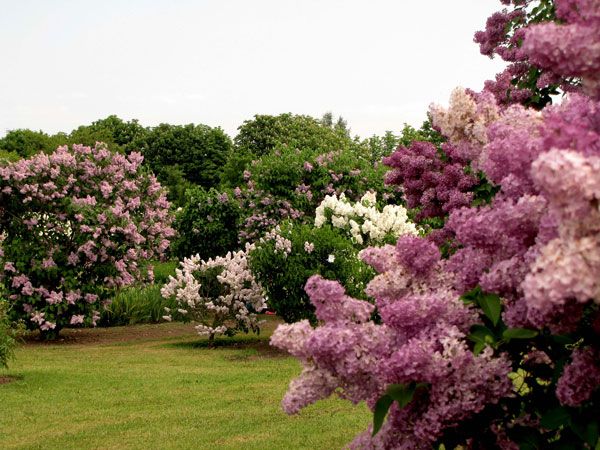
<point x="151" y="386"/>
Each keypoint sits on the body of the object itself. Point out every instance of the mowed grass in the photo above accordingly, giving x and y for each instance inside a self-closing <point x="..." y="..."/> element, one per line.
<point x="163" y="389"/>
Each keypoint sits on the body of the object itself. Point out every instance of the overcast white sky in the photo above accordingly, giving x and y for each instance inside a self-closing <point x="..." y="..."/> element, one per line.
<point x="378" y="63"/>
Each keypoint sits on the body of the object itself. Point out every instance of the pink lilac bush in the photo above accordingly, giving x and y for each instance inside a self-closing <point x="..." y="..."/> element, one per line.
<point x="497" y="341"/>
<point x="77" y="224"/>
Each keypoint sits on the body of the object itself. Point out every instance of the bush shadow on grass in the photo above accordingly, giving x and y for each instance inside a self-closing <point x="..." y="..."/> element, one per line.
<point x="258" y="345"/>
<point x="5" y="379"/>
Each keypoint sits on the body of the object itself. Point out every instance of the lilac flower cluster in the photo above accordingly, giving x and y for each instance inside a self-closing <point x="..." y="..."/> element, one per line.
<point x="534" y="249"/>
<point x="420" y="340"/>
<point x="78" y="222"/>
<point x="571" y="48"/>
<point x="429" y="183"/>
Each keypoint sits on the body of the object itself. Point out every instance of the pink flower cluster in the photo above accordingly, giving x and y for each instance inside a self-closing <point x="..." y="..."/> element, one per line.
<point x="78" y="223"/>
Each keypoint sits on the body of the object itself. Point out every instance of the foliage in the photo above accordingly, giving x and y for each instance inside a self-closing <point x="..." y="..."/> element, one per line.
<point x="263" y="134"/>
<point x="207" y="225"/>
<point x="8" y="334"/>
<point x="221" y="294"/>
<point x="198" y="150"/>
<point x="26" y="143"/>
<point x="288" y="256"/>
<point x="135" y="305"/>
<point x="162" y="270"/>
<point x="112" y="130"/>
<point x="173" y="179"/>
<point x="76" y="223"/>
<point x="7" y="157"/>
<point x="494" y="344"/>
<point x="290" y="183"/>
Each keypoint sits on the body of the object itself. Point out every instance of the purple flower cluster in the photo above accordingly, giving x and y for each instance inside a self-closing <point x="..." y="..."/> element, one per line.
<point x="421" y="340"/>
<point x="429" y="182"/>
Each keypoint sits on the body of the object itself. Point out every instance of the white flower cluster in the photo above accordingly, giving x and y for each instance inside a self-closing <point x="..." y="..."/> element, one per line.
<point x="227" y="312"/>
<point x="362" y="220"/>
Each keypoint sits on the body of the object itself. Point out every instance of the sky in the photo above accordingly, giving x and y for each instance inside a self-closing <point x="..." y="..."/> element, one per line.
<point x="377" y="63"/>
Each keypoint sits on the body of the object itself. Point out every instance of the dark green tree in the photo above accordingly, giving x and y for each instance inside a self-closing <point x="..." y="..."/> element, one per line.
<point x="199" y="151"/>
<point x="26" y="143"/>
<point x="112" y="130"/>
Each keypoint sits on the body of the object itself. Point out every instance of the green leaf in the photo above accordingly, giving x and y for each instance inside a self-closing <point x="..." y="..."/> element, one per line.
<point x="471" y="297"/>
<point x="381" y="409"/>
<point x="482" y="336"/>
<point x="478" y="348"/>
<point x="588" y="432"/>
<point x="519" y="333"/>
<point x="402" y="393"/>
<point x="490" y="303"/>
<point x="555" y="418"/>
<point x="562" y="339"/>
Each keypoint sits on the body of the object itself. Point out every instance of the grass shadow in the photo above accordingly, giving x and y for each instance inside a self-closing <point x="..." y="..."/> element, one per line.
<point x="5" y="379"/>
<point x="255" y="346"/>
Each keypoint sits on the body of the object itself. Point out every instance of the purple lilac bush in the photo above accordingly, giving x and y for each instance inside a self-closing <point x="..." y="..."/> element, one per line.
<point x="76" y="225"/>
<point x="496" y="344"/>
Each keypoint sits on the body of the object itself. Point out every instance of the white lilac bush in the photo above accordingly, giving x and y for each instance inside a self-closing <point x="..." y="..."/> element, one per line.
<point x="493" y="342"/>
<point x="76" y="225"/>
<point x="220" y="294"/>
<point x="362" y="220"/>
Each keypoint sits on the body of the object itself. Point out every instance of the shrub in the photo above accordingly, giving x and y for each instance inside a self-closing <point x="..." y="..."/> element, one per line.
<point x="263" y="134"/>
<point x="207" y="225"/>
<point x="112" y="130"/>
<point x="76" y="224"/>
<point x="288" y="256"/>
<point x="27" y="143"/>
<point x="163" y="270"/>
<point x="221" y="294"/>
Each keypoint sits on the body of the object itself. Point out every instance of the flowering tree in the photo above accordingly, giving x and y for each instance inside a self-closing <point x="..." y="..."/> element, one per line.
<point x="76" y="224"/>
<point x="495" y="345"/>
<point x="221" y="294"/>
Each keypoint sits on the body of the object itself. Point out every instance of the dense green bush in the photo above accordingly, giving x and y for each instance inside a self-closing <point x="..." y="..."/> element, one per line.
<point x="208" y="224"/>
<point x="198" y="150"/>
<point x="261" y="135"/>
<point x="136" y="305"/>
<point x="162" y="270"/>
<point x="284" y="261"/>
